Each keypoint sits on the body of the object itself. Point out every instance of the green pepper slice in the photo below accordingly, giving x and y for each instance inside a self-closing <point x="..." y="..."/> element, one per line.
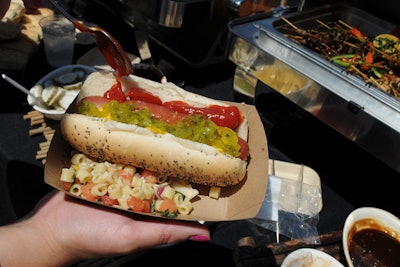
<point x="344" y="60"/>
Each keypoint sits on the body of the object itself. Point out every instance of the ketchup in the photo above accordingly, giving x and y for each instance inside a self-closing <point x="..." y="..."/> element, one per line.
<point x="115" y="93"/>
<point x="113" y="53"/>
<point x="220" y="115"/>
<point x="224" y="116"/>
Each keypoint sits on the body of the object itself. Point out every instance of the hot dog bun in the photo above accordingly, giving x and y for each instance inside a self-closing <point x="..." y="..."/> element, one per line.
<point x="164" y="153"/>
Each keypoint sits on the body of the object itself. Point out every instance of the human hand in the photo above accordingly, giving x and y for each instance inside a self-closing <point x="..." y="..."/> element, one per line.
<point x="68" y="230"/>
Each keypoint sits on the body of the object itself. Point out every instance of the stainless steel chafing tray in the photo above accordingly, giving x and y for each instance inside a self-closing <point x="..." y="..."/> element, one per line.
<point x="366" y="115"/>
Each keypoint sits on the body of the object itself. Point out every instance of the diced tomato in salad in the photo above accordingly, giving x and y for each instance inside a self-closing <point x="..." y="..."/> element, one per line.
<point x="87" y="192"/>
<point x="135" y="204"/>
<point x="108" y="201"/>
<point x="168" y="205"/>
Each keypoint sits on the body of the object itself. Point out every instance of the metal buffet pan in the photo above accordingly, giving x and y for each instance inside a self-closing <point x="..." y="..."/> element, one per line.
<point x="366" y="115"/>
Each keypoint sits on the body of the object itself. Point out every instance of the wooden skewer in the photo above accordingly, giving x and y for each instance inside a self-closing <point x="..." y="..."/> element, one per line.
<point x="322" y="23"/>
<point x="277" y="252"/>
<point x="365" y="77"/>
<point x="290" y="23"/>
<point x="345" y="24"/>
<point x="377" y="84"/>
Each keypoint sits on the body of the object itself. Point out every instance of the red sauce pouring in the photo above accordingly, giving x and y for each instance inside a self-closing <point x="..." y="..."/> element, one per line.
<point x="112" y="51"/>
<point x="108" y="46"/>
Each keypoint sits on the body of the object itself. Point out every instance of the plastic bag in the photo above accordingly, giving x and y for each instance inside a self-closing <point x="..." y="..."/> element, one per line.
<point x="291" y="208"/>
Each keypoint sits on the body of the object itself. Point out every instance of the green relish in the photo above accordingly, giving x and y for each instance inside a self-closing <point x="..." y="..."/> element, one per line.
<point x="196" y="128"/>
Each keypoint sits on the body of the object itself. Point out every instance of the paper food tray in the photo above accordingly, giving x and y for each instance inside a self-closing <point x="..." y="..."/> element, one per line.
<point x="238" y="202"/>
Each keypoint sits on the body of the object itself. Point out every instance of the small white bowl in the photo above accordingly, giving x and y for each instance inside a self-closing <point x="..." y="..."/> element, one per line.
<point x="368" y="217"/>
<point x="311" y="258"/>
<point x="54" y="114"/>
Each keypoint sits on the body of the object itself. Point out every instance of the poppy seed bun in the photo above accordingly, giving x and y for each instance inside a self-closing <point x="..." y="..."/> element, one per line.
<point x="163" y="153"/>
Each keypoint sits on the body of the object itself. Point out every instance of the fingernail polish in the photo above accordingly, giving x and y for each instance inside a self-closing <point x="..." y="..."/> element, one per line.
<point x="200" y="238"/>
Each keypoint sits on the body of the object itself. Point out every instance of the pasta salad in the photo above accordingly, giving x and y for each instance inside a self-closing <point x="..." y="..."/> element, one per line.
<point x="127" y="187"/>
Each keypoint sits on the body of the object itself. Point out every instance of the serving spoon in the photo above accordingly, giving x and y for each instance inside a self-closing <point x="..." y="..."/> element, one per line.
<point x="112" y="51"/>
<point x="36" y="100"/>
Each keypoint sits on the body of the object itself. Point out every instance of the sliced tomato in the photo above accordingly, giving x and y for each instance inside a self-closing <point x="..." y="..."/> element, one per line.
<point x="143" y="95"/>
<point x="244" y="148"/>
<point x="161" y="113"/>
<point x="225" y="116"/>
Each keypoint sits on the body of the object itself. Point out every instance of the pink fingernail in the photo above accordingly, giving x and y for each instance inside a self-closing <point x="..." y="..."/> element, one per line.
<point x="200" y="238"/>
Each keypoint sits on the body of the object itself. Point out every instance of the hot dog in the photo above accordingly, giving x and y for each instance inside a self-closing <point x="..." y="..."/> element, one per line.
<point x="158" y="127"/>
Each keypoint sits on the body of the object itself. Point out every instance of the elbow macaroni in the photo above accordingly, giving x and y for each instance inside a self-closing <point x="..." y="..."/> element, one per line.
<point x="99" y="190"/>
<point x="75" y="189"/>
<point x="122" y="184"/>
<point x="168" y="192"/>
<point x="68" y="175"/>
<point x="185" y="207"/>
<point x="215" y="192"/>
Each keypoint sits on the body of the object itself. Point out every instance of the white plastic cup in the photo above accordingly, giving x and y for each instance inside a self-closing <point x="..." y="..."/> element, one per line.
<point x="59" y="40"/>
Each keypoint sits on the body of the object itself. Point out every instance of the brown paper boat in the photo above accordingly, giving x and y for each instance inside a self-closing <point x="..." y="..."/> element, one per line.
<point x="238" y="202"/>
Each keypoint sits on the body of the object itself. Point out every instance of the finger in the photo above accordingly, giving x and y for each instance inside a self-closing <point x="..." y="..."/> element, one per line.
<point x="158" y="232"/>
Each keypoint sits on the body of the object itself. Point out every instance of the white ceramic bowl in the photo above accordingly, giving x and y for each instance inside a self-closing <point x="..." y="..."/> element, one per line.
<point x="53" y="113"/>
<point x="311" y="258"/>
<point x="375" y="218"/>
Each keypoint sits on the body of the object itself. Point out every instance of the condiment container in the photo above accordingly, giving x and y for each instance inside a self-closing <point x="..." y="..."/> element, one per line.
<point x="371" y="237"/>
<point x="311" y="258"/>
<point x="58" y="89"/>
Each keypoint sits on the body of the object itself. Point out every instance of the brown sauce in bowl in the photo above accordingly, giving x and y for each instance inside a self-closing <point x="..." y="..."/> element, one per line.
<point x="372" y="245"/>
